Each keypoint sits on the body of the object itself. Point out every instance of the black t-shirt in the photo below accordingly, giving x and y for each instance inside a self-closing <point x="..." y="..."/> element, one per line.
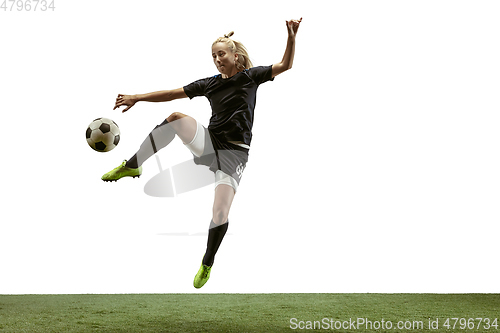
<point x="232" y="100"/>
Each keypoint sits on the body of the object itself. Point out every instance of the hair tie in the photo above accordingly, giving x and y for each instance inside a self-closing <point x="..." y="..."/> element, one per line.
<point x="229" y="34"/>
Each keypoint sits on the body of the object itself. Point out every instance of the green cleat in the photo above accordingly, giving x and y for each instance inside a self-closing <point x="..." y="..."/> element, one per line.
<point x="120" y="172"/>
<point x="202" y="276"/>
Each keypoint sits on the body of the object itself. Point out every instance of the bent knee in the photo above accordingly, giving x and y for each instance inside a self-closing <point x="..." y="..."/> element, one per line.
<point x="175" y="116"/>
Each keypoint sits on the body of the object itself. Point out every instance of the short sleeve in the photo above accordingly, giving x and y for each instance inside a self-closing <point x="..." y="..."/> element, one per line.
<point x="261" y="74"/>
<point x="197" y="88"/>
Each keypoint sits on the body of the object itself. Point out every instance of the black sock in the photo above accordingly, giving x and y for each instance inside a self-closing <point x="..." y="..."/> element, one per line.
<point x="215" y="236"/>
<point x="159" y="138"/>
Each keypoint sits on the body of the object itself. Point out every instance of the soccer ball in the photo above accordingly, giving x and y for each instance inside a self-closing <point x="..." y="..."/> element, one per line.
<point x="103" y="134"/>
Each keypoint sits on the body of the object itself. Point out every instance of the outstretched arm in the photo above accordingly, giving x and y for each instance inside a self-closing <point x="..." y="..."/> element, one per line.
<point x="157" y="96"/>
<point x="287" y="62"/>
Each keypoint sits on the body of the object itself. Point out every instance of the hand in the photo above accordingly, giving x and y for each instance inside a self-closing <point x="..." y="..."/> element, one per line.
<point x="128" y="100"/>
<point x="293" y="27"/>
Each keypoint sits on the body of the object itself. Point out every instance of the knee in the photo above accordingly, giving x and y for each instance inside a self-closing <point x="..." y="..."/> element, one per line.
<point x="175" y="116"/>
<point x="220" y="215"/>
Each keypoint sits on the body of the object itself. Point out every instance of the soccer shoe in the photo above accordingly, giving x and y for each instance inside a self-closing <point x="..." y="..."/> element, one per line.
<point x="120" y="172"/>
<point x="202" y="276"/>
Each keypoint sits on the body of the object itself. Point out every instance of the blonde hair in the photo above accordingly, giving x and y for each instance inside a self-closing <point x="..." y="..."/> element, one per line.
<point x="236" y="47"/>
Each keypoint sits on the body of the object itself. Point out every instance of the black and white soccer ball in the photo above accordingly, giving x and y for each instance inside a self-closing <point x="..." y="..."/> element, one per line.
<point x="103" y="134"/>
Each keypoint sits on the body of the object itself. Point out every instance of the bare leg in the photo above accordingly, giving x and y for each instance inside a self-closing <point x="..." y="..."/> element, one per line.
<point x="224" y="195"/>
<point x="185" y="126"/>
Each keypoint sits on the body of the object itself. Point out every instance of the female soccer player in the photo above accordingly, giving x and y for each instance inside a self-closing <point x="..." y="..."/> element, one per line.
<point x="225" y="144"/>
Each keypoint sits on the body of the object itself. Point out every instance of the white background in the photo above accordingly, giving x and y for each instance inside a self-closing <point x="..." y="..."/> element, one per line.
<point x="374" y="165"/>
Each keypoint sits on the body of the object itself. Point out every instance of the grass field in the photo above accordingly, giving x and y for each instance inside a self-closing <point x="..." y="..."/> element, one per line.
<point x="248" y="312"/>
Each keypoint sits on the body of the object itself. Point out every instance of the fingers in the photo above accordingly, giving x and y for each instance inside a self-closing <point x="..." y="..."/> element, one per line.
<point x="295" y="21"/>
<point x="119" y="102"/>
<point x="293" y="25"/>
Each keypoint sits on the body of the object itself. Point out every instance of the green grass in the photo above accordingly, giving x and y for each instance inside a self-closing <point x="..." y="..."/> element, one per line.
<point x="235" y="312"/>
